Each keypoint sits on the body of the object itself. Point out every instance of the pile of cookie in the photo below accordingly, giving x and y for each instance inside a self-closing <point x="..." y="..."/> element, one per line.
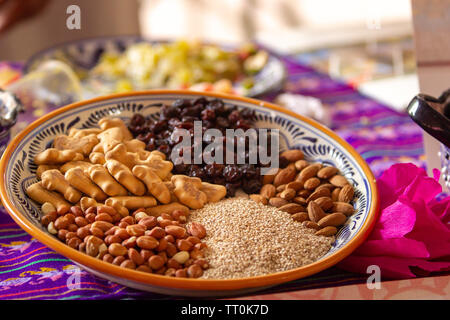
<point x="106" y="165"/>
<point x="89" y="168"/>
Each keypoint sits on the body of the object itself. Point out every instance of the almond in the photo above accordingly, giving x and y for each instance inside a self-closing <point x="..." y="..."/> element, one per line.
<point x="288" y="194"/>
<point x="284" y="176"/>
<point x="311" y="225"/>
<point x="259" y="198"/>
<point x="325" y="203"/>
<point x="281" y="188"/>
<point x="296" y="185"/>
<point x="338" y="181"/>
<point x="327" y="172"/>
<point x="292" y="208"/>
<point x="324" y="192"/>
<point x="300" y="200"/>
<point x="326" y="185"/>
<point x="308" y="172"/>
<point x="300" y="216"/>
<point x="335" y="194"/>
<point x="346" y="194"/>
<point x="277" y="202"/>
<point x="268" y="191"/>
<point x="315" y="212"/>
<point x="292" y="155"/>
<point x="327" y="231"/>
<point x="300" y="179"/>
<point x="311" y="183"/>
<point x="304" y="193"/>
<point x="301" y="164"/>
<point x="344" y="208"/>
<point x="270" y="176"/>
<point x="333" y="219"/>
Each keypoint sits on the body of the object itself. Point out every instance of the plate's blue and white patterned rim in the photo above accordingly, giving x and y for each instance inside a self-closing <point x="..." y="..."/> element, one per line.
<point x="317" y="143"/>
<point x="84" y="54"/>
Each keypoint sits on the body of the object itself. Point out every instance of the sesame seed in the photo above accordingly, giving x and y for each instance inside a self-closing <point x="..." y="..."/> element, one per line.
<point x="248" y="239"/>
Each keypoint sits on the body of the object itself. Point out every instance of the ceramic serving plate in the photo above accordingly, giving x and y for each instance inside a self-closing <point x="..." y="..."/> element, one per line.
<point x="317" y="142"/>
<point x="84" y="54"/>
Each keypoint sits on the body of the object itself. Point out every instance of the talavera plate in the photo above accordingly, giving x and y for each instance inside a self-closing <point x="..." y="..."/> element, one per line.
<point x="317" y="142"/>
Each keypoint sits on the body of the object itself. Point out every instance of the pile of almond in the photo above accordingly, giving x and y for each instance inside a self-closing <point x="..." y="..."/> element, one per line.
<point x="314" y="194"/>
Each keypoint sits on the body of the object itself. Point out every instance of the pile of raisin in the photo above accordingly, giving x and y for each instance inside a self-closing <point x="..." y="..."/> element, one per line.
<point x="213" y="113"/>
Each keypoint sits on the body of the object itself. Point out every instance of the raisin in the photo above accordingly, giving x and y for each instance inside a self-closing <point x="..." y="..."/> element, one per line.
<point x="208" y="114"/>
<point x="222" y="122"/>
<point x="232" y="173"/>
<point x="251" y="186"/>
<point x="181" y="103"/>
<point x="137" y="120"/>
<point x="157" y="133"/>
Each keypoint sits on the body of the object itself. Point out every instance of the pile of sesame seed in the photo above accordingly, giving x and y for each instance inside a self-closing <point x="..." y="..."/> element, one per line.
<point x="247" y="239"/>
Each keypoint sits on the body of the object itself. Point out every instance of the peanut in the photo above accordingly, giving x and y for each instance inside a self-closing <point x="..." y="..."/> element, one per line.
<point x="177" y="232"/>
<point x="144" y="268"/>
<point x="156" y="262"/>
<point x="181" y="257"/>
<point x="147" y="242"/>
<point x="194" y="271"/>
<point x="135" y="256"/>
<point x="117" y="249"/>
<point x="128" y="264"/>
<point x="197" y="230"/>
<point x="136" y="230"/>
<point x="47" y="208"/>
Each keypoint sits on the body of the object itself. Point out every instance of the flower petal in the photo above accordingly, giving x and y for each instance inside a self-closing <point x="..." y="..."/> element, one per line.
<point x="395" y="221"/>
<point x="407" y="248"/>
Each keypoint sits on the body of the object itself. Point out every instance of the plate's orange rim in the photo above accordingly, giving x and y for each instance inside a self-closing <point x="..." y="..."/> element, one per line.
<point x="185" y="283"/>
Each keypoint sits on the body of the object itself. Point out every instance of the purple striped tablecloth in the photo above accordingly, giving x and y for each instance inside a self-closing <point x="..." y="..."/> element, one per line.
<point x="30" y="270"/>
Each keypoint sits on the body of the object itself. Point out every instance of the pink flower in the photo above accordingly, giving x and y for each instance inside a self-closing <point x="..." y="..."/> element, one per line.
<point x="412" y="230"/>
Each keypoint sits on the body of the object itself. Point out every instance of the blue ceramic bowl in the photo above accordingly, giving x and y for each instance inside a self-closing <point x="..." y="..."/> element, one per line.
<point x="317" y="142"/>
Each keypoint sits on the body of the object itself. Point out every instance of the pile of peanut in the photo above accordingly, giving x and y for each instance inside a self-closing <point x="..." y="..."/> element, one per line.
<point x="315" y="195"/>
<point x="162" y="245"/>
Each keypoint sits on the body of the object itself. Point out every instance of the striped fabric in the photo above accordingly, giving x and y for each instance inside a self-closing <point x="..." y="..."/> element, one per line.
<point x="29" y="270"/>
